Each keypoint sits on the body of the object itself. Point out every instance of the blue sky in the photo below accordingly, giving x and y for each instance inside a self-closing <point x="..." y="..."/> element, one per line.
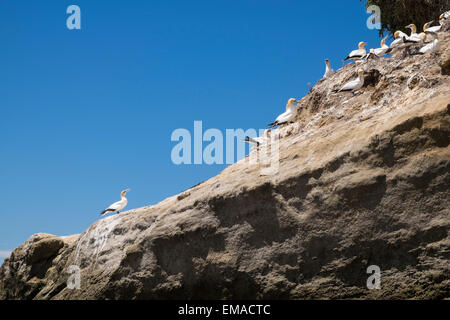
<point x="87" y="113"/>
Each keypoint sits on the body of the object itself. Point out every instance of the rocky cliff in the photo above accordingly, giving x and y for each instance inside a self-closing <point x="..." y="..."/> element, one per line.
<point x="362" y="180"/>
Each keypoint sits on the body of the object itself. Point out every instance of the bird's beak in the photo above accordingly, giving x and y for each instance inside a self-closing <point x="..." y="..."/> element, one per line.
<point x="408" y="26"/>
<point x="128" y="190"/>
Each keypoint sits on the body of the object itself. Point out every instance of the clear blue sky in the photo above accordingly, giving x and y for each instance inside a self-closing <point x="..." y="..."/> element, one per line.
<point x="86" y="113"/>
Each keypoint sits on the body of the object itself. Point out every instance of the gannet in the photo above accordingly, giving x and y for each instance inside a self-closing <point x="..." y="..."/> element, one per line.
<point x="353" y="85"/>
<point x="383" y="50"/>
<point x="119" y="205"/>
<point x="328" y="70"/>
<point x="291" y="112"/>
<point x="259" y="140"/>
<point x="416" y="39"/>
<point x="431" y="47"/>
<point x="413" y="37"/>
<point x="357" y="54"/>
<point x="398" y="39"/>
<point x="426" y="27"/>
<point x="413" y="29"/>
<point x="369" y="55"/>
<point x="445" y="15"/>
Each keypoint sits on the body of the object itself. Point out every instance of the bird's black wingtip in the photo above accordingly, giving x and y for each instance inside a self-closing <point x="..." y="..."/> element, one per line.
<point x="106" y="211"/>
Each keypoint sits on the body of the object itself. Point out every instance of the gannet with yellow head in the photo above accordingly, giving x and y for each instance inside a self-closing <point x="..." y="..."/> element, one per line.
<point x="357" y="54"/>
<point x="414" y="38"/>
<point x="353" y="85"/>
<point x="285" y="117"/>
<point x="413" y="29"/>
<point x="398" y="39"/>
<point x="382" y="50"/>
<point x="119" y="205"/>
<point x="427" y="28"/>
<point x="431" y="47"/>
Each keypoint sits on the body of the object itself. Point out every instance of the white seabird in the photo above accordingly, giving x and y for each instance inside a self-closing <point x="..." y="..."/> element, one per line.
<point x="414" y="37"/>
<point x="353" y="85"/>
<point x="431" y="47"/>
<point x="426" y="27"/>
<point x="398" y="39"/>
<point x="288" y="115"/>
<point x="259" y="140"/>
<point x="357" y="54"/>
<point x="413" y="29"/>
<point x="415" y="40"/>
<point x="119" y="205"/>
<point x="369" y="55"/>
<point x="328" y="70"/>
<point x="445" y="15"/>
<point x="419" y="39"/>
<point x="382" y="50"/>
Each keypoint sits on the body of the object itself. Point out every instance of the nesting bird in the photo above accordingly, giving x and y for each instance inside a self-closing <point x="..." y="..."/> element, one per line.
<point x="431" y="47"/>
<point x="328" y="70"/>
<point x="371" y="54"/>
<point x="288" y="115"/>
<point x="415" y="40"/>
<point x="119" y="205"/>
<point x="353" y="85"/>
<point x="382" y="50"/>
<point x="398" y="39"/>
<point x="358" y="54"/>
<point x="414" y="37"/>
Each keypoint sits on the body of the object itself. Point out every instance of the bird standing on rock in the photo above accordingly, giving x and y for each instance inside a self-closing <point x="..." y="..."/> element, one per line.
<point x="285" y="117"/>
<point x="358" y="54"/>
<point x="353" y="85"/>
<point x="431" y="47"/>
<point x="119" y="205"/>
<point x="328" y="70"/>
<point x="398" y="39"/>
<point x="414" y="37"/>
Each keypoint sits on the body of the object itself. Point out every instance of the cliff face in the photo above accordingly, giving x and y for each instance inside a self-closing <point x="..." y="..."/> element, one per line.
<point x="363" y="180"/>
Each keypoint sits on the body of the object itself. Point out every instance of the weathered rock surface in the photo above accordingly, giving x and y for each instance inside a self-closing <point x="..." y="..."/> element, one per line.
<point x="362" y="180"/>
